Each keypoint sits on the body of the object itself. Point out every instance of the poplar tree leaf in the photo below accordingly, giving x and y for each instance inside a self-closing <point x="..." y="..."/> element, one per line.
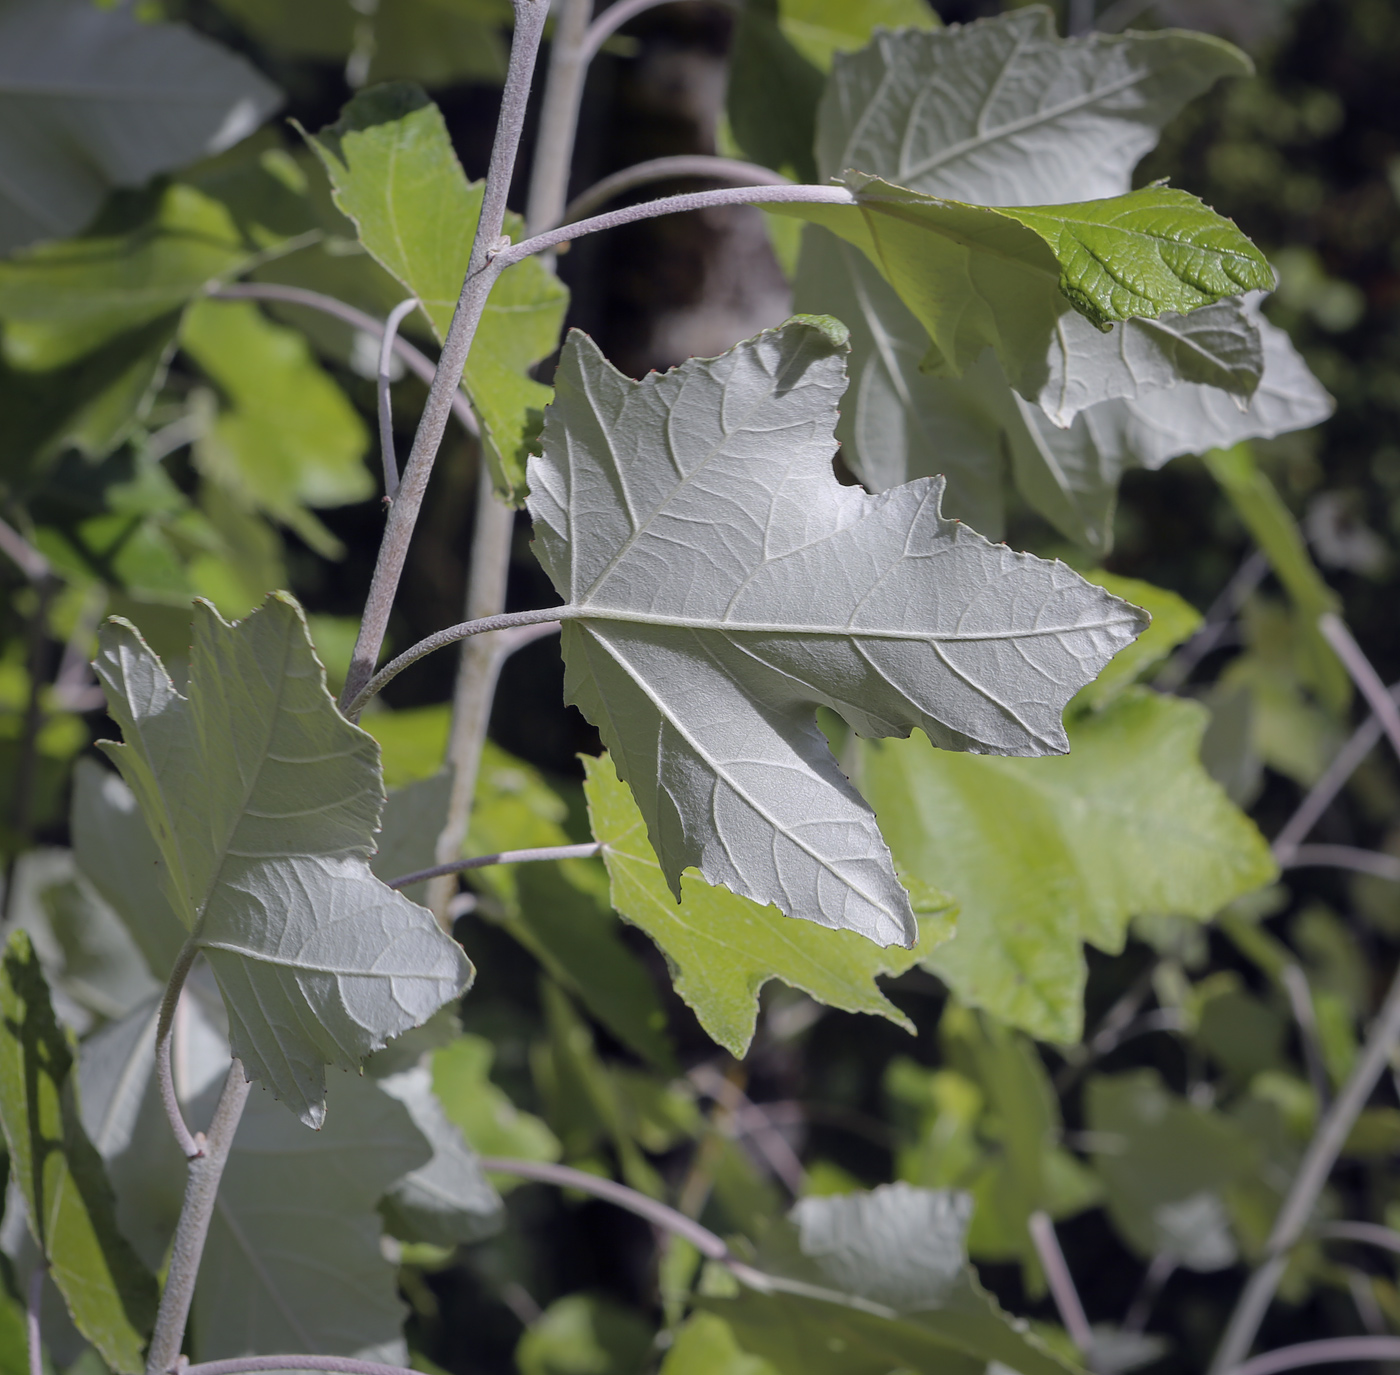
<point x="1174" y="621"/>
<point x="819" y="29"/>
<point x="706" y="1346"/>
<point x="1127" y="823"/>
<point x="264" y="801"/>
<point x="91" y="98"/>
<point x="723" y="948"/>
<point x="408" y="832"/>
<point x="873" y="1282"/>
<point x="721" y="584"/>
<point x="489" y="1122"/>
<point x="395" y="175"/>
<point x="287" y="437"/>
<point x="110" y="1294"/>
<point x="585" y="1334"/>
<point x="772" y="93"/>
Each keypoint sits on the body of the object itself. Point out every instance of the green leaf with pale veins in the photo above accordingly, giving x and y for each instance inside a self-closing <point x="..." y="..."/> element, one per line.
<point x="721" y="584"/>
<point x="723" y="948"/>
<point x="264" y="801"/>
<point x="1128" y="822"/>
<point x="111" y="1296"/>
<point x="394" y="173"/>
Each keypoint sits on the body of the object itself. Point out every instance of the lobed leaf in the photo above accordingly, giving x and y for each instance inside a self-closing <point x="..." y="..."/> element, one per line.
<point x="394" y="173"/>
<point x="68" y="1199"/>
<point x="723" y="948"/>
<point x="721" y="583"/>
<point x="263" y="801"/>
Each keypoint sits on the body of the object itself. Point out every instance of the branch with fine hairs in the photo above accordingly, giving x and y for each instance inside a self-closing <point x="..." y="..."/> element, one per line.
<point x="675" y="205"/>
<point x="1367" y="680"/>
<point x="1334" y="777"/>
<point x="1367" y="1233"/>
<point x="32" y="1314"/>
<point x="190" y="1145"/>
<point x="386" y="404"/>
<point x="201" y="1191"/>
<point x="1061" y="1282"/>
<point x="667" y="169"/>
<point x="1321" y="1155"/>
<point x="483" y="268"/>
<point x="416" y="361"/>
<point x="1373" y="862"/>
<point x="586" y="850"/>
<point x="615" y="16"/>
<point x="546" y="615"/>
<point x="1332" y="1351"/>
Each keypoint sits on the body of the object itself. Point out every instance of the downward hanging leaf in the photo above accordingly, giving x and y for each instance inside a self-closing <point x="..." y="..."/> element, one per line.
<point x="264" y="801"/>
<point x="721" y="583"/>
<point x="394" y="173"/>
<point x="1127" y="823"/>
<point x="723" y="948"/>
<point x="111" y="1296"/>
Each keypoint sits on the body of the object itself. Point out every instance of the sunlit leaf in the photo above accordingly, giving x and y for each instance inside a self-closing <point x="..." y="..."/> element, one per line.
<point x="264" y="801"/>
<point x="723" y="583"/>
<point x="1174" y="620"/>
<point x="488" y="1120"/>
<point x="584" y="1334"/>
<point x="706" y="1346"/>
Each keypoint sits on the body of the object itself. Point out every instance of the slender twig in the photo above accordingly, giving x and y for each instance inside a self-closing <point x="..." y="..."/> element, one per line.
<point x="201" y="1191"/>
<point x="1295" y="985"/>
<point x="563" y="95"/>
<point x="1332" y="1351"/>
<point x="615" y="16"/>
<point x="547" y="615"/>
<point x="190" y="1145"/>
<point x="24" y="555"/>
<point x="675" y="205"/>
<point x="767" y="1139"/>
<point x="669" y="169"/>
<point x="386" y="404"/>
<point x="584" y="851"/>
<point x="1216" y="622"/>
<point x="1371" y="862"/>
<point x="417" y="362"/>
<point x="1367" y="1233"/>
<point x="33" y="1313"/>
<point x="1335" y="632"/>
<point x="1061" y="1282"/>
<point x="1321" y="1155"/>
<point x="237" y="1365"/>
<point x="1334" y="777"/>
<point x="1162" y="1268"/>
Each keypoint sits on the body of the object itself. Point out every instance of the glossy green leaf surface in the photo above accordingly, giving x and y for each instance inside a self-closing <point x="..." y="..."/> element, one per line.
<point x="723" y="948"/>
<point x="93" y="99"/>
<point x="110" y="1294"/>
<point x="395" y="174"/>
<point x="1127" y="822"/>
<point x="264" y="801"/>
<point x="722" y="582"/>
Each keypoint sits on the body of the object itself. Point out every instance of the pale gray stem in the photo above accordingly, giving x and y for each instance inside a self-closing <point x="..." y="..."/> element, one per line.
<point x="417" y="362"/>
<point x="483" y="268"/>
<point x="1242" y="582"/>
<point x="237" y="1365"/>
<point x="1334" y="777"/>
<point x="24" y="555"/>
<point x="386" y="404"/>
<point x="1321" y="1155"/>
<point x="563" y="94"/>
<point x="1163" y="1267"/>
<point x="1332" y="1351"/>
<point x="675" y="205"/>
<point x="546" y="615"/>
<point x="584" y="851"/>
<point x="201" y="1190"/>
<point x="614" y="17"/>
<point x="33" y="1312"/>
<point x="190" y="1145"/>
<point x="1335" y="632"/>
<point x="1344" y="857"/>
<point x="1368" y="1233"/>
<point x="665" y="169"/>
<point x="1081" y="17"/>
<point x="1295" y="985"/>
<point x="751" y="1116"/>
<point x="1061" y="1282"/>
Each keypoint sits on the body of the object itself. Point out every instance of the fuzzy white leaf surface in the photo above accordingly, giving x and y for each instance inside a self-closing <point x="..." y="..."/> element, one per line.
<point x="722" y="584"/>
<point x="92" y="99"/>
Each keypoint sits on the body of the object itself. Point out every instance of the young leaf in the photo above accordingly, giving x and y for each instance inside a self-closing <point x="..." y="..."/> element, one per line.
<point x="721" y="583"/>
<point x="1128" y="822"/>
<point x="264" y="801"/>
<point x="288" y="437"/>
<point x="391" y="164"/>
<point x="97" y="99"/>
<point x="111" y="1296"/>
<point x="706" y="1346"/>
<point x="487" y="1119"/>
<point x="723" y="948"/>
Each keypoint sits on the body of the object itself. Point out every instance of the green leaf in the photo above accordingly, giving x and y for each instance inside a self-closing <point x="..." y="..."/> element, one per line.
<point x="394" y="172"/>
<point x="706" y="1346"/>
<point x="1165" y="1163"/>
<point x="584" y="1335"/>
<point x="264" y="801"/>
<point x="61" y="301"/>
<point x="1174" y="620"/>
<point x="111" y="1296"/>
<point x="412" y="743"/>
<point x="819" y="29"/>
<point x="723" y="948"/>
<point x="287" y="437"/>
<point x="488" y="1120"/>
<point x="722" y="582"/>
<point x="1128" y="822"/>
<point x="875" y="1282"/>
<point x="97" y="99"/>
